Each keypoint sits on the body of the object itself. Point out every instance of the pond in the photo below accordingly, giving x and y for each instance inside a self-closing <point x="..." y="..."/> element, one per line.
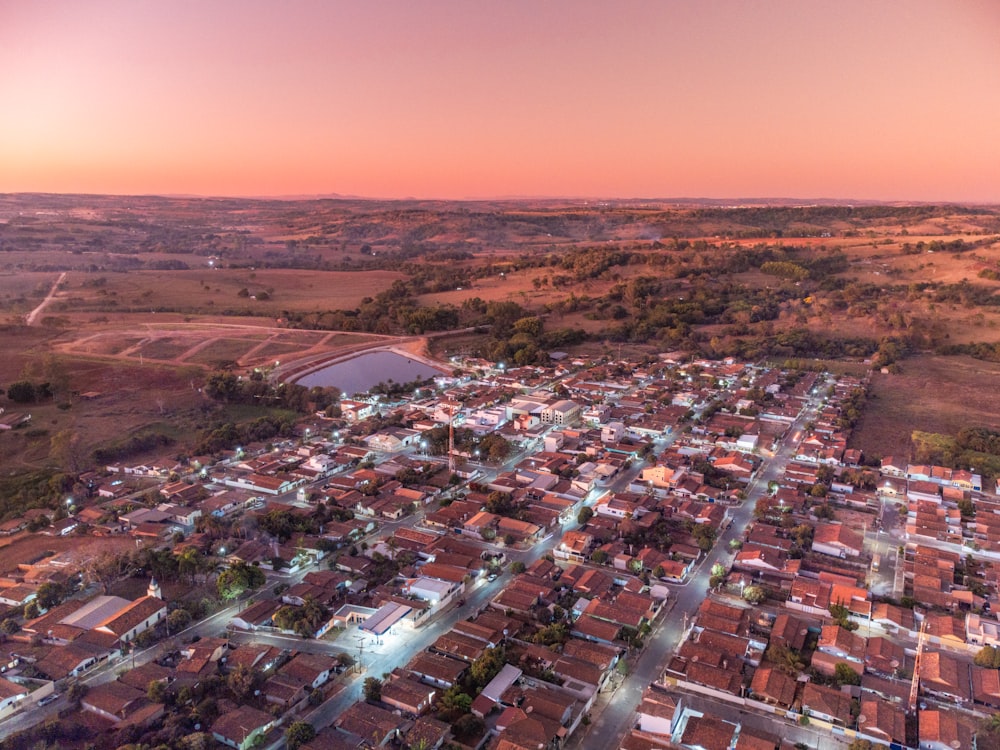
<point x="359" y="374"/>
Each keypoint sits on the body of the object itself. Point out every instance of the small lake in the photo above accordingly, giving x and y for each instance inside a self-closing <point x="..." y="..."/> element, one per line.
<point x="360" y="373"/>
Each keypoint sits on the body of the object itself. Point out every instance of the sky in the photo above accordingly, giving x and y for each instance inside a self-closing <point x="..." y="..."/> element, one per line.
<point x="459" y="99"/>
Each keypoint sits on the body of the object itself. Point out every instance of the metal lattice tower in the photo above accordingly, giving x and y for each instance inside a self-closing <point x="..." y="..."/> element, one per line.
<point x="915" y="682"/>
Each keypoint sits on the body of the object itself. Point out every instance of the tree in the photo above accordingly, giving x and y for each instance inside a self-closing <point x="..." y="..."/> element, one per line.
<point x="988" y="656"/>
<point x="517" y="567"/>
<point x="453" y="703"/>
<point x="76" y="693"/>
<point x="298" y="734"/>
<point x="468" y="727"/>
<point x="241" y="681"/>
<point x="156" y="691"/>
<point x="844" y="675"/>
<point x="585" y="514"/>
<point x="49" y="595"/>
<point x="704" y="536"/>
<point x="236" y="580"/>
<point x="178" y="620"/>
<point x="21" y="392"/>
<point x="189" y="563"/>
<point x="487" y="666"/>
<point x="9" y="626"/>
<point x="373" y="689"/>
<point x="754" y="594"/>
<point x="785" y="659"/>
<point x="107" y="568"/>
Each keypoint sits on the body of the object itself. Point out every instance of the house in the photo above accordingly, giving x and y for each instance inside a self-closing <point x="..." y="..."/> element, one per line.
<point x="700" y="732"/>
<point x="311" y="670"/>
<point x="882" y="721"/>
<point x="945" y="676"/>
<point x="884" y="656"/>
<point x="241" y="727"/>
<point x="10" y="694"/>
<point x="356" y="411"/>
<point x="659" y="712"/>
<point x="408" y="695"/>
<point x="118" y="703"/>
<point x="827" y="703"/>
<point x="837" y="540"/>
<point x="842" y="643"/>
<point x="945" y="730"/>
<point x="773" y="686"/>
<point x="427" y="732"/>
<point x="981" y="630"/>
<point x="436" y="669"/>
<point x="790" y="631"/>
<point x="373" y="724"/>
<point x="135" y="618"/>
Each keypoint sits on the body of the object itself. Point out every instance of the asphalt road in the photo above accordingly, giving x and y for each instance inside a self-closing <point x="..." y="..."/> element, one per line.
<point x="619" y="716"/>
<point x="606" y="730"/>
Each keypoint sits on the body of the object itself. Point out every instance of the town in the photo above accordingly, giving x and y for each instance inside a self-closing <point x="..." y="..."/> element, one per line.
<point x="598" y="553"/>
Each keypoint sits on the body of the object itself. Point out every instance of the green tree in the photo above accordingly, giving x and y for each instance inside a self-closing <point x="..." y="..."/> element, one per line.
<point x="487" y="666"/>
<point x="189" y="563"/>
<point x="468" y="727"/>
<point x="238" y="579"/>
<point x="156" y="691"/>
<point x="298" y="734"/>
<point x="754" y="594"/>
<point x="22" y="392"/>
<point x="988" y="656"/>
<point x="49" y="595"/>
<point x="453" y="703"/>
<point x="178" y="620"/>
<point x="584" y="515"/>
<point x="844" y="675"/>
<point x="372" y="689"/>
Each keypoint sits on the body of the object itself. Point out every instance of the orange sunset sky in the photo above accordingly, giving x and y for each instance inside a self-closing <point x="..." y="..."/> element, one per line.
<point x="849" y="99"/>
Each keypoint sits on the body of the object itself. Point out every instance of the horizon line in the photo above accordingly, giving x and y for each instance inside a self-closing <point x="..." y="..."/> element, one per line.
<point x="735" y="201"/>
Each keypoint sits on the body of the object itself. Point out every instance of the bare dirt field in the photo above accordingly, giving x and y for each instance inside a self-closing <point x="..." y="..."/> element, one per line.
<point x="932" y="394"/>
<point x="27" y="549"/>
<point x="249" y="344"/>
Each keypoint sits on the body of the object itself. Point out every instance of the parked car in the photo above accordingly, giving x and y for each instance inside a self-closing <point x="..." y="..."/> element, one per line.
<point x="50" y="698"/>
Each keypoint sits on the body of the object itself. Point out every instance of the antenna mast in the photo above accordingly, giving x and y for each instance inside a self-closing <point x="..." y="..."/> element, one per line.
<point x="915" y="682"/>
<point x="451" y="438"/>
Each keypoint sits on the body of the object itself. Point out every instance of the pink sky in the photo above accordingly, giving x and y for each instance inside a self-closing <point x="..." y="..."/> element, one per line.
<point x="857" y="99"/>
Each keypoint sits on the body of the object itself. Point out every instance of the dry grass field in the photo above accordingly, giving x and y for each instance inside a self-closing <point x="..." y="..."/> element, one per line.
<point x="218" y="291"/>
<point x="932" y="394"/>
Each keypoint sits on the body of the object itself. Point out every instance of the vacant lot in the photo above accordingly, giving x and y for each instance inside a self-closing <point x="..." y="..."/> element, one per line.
<point x="933" y="394"/>
<point x="30" y="549"/>
<point x="265" y="292"/>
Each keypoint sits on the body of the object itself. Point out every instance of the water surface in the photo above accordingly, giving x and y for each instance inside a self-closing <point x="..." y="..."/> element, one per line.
<point x="359" y="374"/>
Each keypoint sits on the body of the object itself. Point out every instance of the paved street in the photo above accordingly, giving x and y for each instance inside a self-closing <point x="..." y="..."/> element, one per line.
<point x="608" y="729"/>
<point x="376" y="659"/>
